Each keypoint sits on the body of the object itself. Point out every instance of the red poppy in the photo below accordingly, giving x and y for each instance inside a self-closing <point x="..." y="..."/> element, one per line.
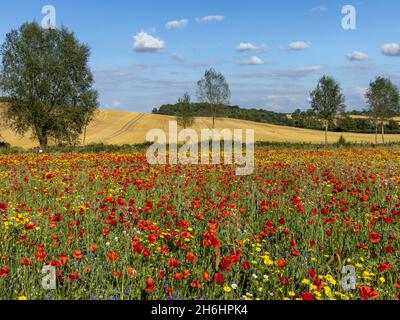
<point x="173" y="263"/>
<point x="307" y="296"/>
<point x="150" y="286"/>
<point x="5" y="271"/>
<point x="73" y="277"/>
<point x="113" y="256"/>
<point x="375" y="237"/>
<point x="246" y="265"/>
<point x="219" y="278"/>
<point x="384" y="266"/>
<point x="3" y="206"/>
<point x="206" y="276"/>
<point x="78" y="254"/>
<point x="117" y="274"/>
<point x="282" y="263"/>
<point x="191" y="257"/>
<point x="226" y="264"/>
<point x="390" y="249"/>
<point x="362" y="246"/>
<point x="368" y="293"/>
<point x="296" y="253"/>
<point x="41" y="254"/>
<point x="27" y="262"/>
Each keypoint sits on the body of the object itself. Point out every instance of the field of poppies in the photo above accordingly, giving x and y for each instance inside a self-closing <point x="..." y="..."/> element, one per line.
<point x="114" y="227"/>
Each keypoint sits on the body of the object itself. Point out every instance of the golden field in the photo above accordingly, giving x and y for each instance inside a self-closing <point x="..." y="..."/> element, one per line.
<point x="120" y="127"/>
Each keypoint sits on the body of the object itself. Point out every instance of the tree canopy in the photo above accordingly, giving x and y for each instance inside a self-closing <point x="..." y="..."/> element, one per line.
<point x="45" y="75"/>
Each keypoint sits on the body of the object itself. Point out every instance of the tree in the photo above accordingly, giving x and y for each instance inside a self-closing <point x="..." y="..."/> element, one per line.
<point x="383" y="103"/>
<point x="45" y="74"/>
<point x="185" y="117"/>
<point x="213" y="89"/>
<point x="327" y="101"/>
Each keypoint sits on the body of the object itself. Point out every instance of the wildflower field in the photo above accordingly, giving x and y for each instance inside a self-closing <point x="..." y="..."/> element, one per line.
<point x="115" y="227"/>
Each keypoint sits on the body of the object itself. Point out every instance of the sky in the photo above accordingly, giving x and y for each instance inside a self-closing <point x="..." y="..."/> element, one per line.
<point x="272" y="53"/>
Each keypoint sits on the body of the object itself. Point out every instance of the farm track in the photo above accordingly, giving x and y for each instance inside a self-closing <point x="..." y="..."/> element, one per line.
<point x="128" y="126"/>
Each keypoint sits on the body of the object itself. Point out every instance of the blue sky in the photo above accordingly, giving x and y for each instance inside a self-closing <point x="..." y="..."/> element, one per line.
<point x="271" y="52"/>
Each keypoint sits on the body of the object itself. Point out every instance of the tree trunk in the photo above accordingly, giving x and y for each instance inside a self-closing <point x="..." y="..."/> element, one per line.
<point x="84" y="135"/>
<point x="326" y="132"/>
<point x="376" y="133"/>
<point x="383" y="133"/>
<point x="43" y="141"/>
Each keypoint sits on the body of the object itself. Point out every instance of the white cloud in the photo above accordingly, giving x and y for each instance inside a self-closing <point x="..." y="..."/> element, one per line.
<point x="178" y="56"/>
<point x="299" y="45"/>
<point x="145" y="42"/>
<point x="357" y="56"/>
<point x="320" y="8"/>
<point x="246" y="46"/>
<point x="253" y="61"/>
<point x="210" y="19"/>
<point x="391" y="49"/>
<point x="177" y="24"/>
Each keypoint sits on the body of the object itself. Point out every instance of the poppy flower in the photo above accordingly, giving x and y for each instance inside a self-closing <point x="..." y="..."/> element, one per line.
<point x="73" y="277"/>
<point x="150" y="286"/>
<point x="384" y="266"/>
<point x="375" y="237"/>
<point x="191" y="257"/>
<point x="117" y="274"/>
<point x="282" y="263"/>
<point x="246" y="265"/>
<point x="78" y="254"/>
<point x="5" y="271"/>
<point x="27" y="262"/>
<point x="368" y="293"/>
<point x="219" y="278"/>
<point x="206" y="276"/>
<point x="296" y="253"/>
<point x="41" y="254"/>
<point x="226" y="264"/>
<point x="3" y="206"/>
<point x="307" y="296"/>
<point x="113" y="256"/>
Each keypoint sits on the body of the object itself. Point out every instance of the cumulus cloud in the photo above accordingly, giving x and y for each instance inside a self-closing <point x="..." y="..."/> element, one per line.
<point x="391" y="49"/>
<point x="299" y="45"/>
<point x="210" y="19"/>
<point x="246" y="46"/>
<point x="357" y="56"/>
<point x="176" y="24"/>
<point x="253" y="61"/>
<point x="145" y="42"/>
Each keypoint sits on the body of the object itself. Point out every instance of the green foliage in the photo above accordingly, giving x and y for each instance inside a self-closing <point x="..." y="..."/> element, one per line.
<point x="327" y="100"/>
<point x="46" y="77"/>
<point x="184" y="115"/>
<point x="214" y="90"/>
<point x="232" y="112"/>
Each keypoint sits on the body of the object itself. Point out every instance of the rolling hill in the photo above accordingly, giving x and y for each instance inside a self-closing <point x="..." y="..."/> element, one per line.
<point x="119" y="127"/>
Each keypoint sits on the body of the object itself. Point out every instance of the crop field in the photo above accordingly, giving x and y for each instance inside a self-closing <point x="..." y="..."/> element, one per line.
<point x="114" y="227"/>
<point x="118" y="127"/>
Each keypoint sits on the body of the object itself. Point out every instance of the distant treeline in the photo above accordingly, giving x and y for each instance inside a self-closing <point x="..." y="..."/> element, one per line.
<point x="300" y="119"/>
<point x="233" y="112"/>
